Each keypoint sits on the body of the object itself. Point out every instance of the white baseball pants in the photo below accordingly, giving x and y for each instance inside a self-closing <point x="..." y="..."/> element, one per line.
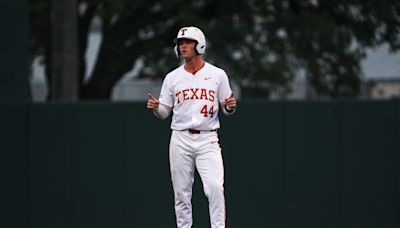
<point x="202" y="151"/>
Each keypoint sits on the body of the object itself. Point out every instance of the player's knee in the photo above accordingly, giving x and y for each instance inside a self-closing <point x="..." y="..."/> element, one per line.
<point x="183" y="197"/>
<point x="213" y="187"/>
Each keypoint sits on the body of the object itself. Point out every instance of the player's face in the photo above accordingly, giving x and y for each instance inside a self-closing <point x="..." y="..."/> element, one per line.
<point x="187" y="48"/>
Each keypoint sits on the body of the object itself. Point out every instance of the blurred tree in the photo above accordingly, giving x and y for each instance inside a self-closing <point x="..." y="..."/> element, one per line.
<point x="263" y="44"/>
<point x="40" y="34"/>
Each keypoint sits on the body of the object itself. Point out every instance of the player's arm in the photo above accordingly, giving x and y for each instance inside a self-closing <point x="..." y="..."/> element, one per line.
<point x="225" y="95"/>
<point x="229" y="106"/>
<point x="159" y="110"/>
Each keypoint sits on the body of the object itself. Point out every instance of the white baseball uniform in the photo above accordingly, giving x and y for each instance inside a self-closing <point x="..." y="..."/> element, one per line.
<point x="195" y="100"/>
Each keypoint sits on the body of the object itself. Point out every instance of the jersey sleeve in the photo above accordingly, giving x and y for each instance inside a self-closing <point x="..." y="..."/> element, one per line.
<point x="166" y="95"/>
<point x="224" y="90"/>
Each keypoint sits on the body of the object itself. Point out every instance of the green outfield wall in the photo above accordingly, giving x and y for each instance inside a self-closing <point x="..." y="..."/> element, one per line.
<point x="287" y="165"/>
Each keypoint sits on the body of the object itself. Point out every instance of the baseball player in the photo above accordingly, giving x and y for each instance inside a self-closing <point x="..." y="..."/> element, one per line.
<point x="195" y="92"/>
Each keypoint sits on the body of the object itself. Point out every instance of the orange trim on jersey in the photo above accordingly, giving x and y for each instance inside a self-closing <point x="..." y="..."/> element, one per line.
<point x="194" y="72"/>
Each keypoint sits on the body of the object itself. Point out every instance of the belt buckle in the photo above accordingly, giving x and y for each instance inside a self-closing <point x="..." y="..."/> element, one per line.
<point x="193" y="131"/>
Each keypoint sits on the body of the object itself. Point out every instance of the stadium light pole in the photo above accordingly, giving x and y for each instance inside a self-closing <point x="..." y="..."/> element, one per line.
<point x="64" y="44"/>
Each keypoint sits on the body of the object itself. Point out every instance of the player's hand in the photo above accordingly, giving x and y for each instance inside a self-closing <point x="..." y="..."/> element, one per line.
<point x="152" y="102"/>
<point x="230" y="102"/>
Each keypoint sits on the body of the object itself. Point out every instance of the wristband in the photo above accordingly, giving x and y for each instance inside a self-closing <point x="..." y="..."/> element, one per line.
<point x="229" y="111"/>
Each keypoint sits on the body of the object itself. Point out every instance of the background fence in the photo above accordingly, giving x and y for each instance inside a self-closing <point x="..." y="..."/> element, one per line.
<point x="287" y="164"/>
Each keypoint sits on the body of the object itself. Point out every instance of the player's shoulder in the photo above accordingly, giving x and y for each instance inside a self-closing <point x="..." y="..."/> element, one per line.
<point x="214" y="70"/>
<point x="174" y="73"/>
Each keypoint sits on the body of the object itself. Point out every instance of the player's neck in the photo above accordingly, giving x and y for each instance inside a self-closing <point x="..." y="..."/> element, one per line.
<point x="194" y="64"/>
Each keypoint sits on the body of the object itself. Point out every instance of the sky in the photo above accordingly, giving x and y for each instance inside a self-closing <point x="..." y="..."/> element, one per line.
<point x="381" y="64"/>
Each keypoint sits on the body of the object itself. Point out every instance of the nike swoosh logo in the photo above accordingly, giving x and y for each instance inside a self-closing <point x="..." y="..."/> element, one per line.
<point x="207" y="78"/>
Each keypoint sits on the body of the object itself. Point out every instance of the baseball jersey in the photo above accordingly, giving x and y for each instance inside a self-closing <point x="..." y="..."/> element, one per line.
<point x="195" y="98"/>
